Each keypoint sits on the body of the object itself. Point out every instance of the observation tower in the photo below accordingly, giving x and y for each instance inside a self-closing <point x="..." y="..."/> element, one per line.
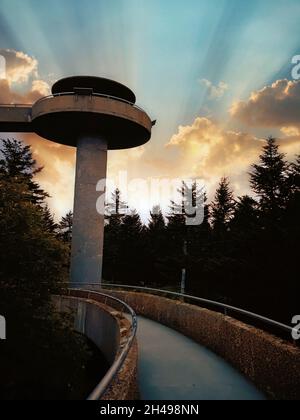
<point x="94" y="115"/>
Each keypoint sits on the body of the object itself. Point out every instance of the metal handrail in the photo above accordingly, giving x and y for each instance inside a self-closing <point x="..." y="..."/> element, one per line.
<point x="102" y="387"/>
<point x="101" y="95"/>
<point x="100" y="390"/>
<point x="224" y="306"/>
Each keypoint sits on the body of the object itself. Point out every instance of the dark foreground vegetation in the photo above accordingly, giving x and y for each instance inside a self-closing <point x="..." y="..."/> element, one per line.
<point x="42" y="358"/>
<point x="245" y="253"/>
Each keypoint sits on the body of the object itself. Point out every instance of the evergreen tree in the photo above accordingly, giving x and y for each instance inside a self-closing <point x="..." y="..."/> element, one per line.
<point x="199" y="236"/>
<point x="296" y="171"/>
<point x="177" y="231"/>
<point x="188" y="229"/>
<point x="17" y="164"/>
<point x="65" y="228"/>
<point x="132" y="256"/>
<point x="222" y="208"/>
<point x="245" y="214"/>
<point x="32" y="266"/>
<point x="157" y="248"/>
<point x="157" y="222"/>
<point x="32" y="260"/>
<point x="191" y="203"/>
<point x="115" y="213"/>
<point x="49" y="222"/>
<point x="116" y="209"/>
<point x="269" y="180"/>
<point x="190" y="210"/>
<point x="294" y="176"/>
<point x="178" y="208"/>
<point x="132" y="226"/>
<point x="290" y="218"/>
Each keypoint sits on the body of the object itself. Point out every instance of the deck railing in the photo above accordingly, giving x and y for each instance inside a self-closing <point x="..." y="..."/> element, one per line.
<point x="260" y="321"/>
<point x="126" y="346"/>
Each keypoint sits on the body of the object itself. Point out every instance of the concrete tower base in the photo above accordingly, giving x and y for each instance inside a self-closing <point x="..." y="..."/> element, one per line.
<point x="88" y="224"/>
<point x="105" y="111"/>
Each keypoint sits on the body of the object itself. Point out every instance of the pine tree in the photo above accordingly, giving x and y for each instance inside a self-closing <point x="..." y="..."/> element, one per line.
<point x="65" y="227"/>
<point x="185" y="222"/>
<point x="222" y="208"/>
<point x="156" y="236"/>
<point x="116" y="209"/>
<point x="49" y="222"/>
<point x="291" y="216"/>
<point x="199" y="235"/>
<point x="157" y="222"/>
<point x="245" y="214"/>
<point x="178" y="208"/>
<point x="157" y="248"/>
<point x="131" y="261"/>
<point x="191" y="203"/>
<point x="269" y="179"/>
<point x="17" y="164"/>
<point x="132" y="226"/>
<point x="176" y="227"/>
<point x="115" y="214"/>
<point x="33" y="264"/>
<point x="295" y="175"/>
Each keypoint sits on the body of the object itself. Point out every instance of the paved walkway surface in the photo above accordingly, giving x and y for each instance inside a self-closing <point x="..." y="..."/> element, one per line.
<point x="174" y="367"/>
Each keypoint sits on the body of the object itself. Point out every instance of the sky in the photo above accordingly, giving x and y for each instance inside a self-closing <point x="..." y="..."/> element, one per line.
<point x="215" y="74"/>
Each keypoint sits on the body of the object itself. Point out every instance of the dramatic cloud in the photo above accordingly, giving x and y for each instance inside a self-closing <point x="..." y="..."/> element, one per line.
<point x="204" y="150"/>
<point x="214" y="92"/>
<point x="40" y="86"/>
<point x="19" y="66"/>
<point x="38" y="89"/>
<point x="21" y="70"/>
<point x="57" y="178"/>
<point x="208" y="151"/>
<point x="58" y="175"/>
<point x="273" y="106"/>
<point x="290" y="131"/>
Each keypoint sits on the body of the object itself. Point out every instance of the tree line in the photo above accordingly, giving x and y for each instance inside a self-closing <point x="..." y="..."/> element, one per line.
<point x="245" y="252"/>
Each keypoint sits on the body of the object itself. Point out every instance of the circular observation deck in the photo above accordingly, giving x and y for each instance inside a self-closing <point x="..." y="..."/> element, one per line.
<point x="88" y="106"/>
<point x="98" y="85"/>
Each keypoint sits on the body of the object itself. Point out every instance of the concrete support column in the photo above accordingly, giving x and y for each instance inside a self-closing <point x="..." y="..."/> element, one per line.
<point x="88" y="224"/>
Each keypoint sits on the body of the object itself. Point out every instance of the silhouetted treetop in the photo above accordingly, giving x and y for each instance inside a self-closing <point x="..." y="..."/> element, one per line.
<point x="269" y="177"/>
<point x="17" y="163"/>
<point x="222" y="208"/>
<point x="156" y="221"/>
<point x="117" y="206"/>
<point x="65" y="227"/>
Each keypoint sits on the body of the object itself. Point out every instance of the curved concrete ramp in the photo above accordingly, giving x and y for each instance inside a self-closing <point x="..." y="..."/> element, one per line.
<point x="174" y="367"/>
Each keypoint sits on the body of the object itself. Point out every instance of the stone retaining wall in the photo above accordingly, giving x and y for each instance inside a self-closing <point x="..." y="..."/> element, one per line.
<point x="272" y="364"/>
<point x="106" y="328"/>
